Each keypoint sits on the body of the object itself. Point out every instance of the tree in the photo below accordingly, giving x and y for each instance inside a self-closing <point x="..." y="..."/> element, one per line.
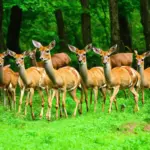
<point x="125" y="27"/>
<point x="145" y="20"/>
<point x="86" y="22"/>
<point x="2" y="44"/>
<point x="14" y="29"/>
<point x="61" y="30"/>
<point x="114" y="20"/>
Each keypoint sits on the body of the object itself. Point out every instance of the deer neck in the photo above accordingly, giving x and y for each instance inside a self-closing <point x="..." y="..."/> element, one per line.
<point x="23" y="75"/>
<point x="84" y="72"/>
<point x="1" y="74"/>
<point x="141" y="71"/>
<point x="50" y="70"/>
<point x="107" y="72"/>
<point x="33" y="61"/>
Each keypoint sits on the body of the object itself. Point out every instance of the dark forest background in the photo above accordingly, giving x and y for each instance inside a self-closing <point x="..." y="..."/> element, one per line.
<point x="76" y="22"/>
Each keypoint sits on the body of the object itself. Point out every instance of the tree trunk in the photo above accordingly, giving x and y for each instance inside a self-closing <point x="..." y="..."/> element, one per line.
<point x="86" y="22"/>
<point x="14" y="29"/>
<point x="61" y="30"/>
<point x="2" y="44"/>
<point x="125" y="31"/>
<point x="145" y="20"/>
<point x="115" y="29"/>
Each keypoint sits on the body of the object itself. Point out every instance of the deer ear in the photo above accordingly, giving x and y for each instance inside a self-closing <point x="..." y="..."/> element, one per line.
<point x="135" y="52"/>
<point x="113" y="49"/>
<point x="5" y="53"/>
<point x="25" y="53"/>
<point x="72" y="48"/>
<point x="97" y="50"/>
<point x="11" y="53"/>
<point x="88" y="47"/>
<point x="146" y="54"/>
<point x="52" y="44"/>
<point x="36" y="44"/>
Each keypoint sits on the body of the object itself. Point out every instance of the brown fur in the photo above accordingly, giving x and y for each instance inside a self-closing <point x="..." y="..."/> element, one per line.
<point x="121" y="59"/>
<point x="119" y="77"/>
<point x="58" y="60"/>
<point x="92" y="78"/>
<point x="63" y="78"/>
<point x="145" y="74"/>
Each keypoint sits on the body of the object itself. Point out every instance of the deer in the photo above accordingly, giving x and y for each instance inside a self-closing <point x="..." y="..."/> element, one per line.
<point x="64" y="79"/>
<point x="121" y="59"/>
<point x="58" y="60"/>
<point x="92" y="78"/>
<point x="30" y="78"/>
<point x="123" y="77"/>
<point x="47" y="82"/>
<point x="8" y="81"/>
<point x="145" y="74"/>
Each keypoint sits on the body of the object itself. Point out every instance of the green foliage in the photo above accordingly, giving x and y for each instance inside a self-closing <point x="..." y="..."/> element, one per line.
<point x="39" y="23"/>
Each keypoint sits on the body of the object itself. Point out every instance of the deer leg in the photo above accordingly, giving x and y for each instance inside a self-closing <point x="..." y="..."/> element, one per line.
<point x="125" y="93"/>
<point x="5" y="100"/>
<point x="81" y="101"/>
<point x="116" y="106"/>
<point x="115" y="91"/>
<point x="42" y="97"/>
<point x="86" y="98"/>
<point x="27" y="102"/>
<point x="9" y="98"/>
<point x="95" y="97"/>
<point x="59" y="98"/>
<point x="142" y="96"/>
<point x="13" y="93"/>
<point x="73" y="95"/>
<point x="136" y="95"/>
<point x="57" y="102"/>
<point x="21" y="97"/>
<point x="48" y="114"/>
<point x="30" y="102"/>
<point x="64" y="102"/>
<point x="103" y="91"/>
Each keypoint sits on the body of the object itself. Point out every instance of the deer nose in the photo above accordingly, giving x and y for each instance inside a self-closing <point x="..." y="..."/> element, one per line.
<point x="42" y="58"/>
<point x="80" y="61"/>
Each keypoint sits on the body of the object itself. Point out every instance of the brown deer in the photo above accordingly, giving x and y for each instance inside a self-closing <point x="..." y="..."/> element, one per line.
<point x="145" y="74"/>
<point x="92" y="78"/>
<point x="8" y="81"/>
<point x="119" y="77"/>
<point x="58" y="60"/>
<point x="30" y="78"/>
<point x="64" y="79"/>
<point x="46" y="84"/>
<point x="121" y="59"/>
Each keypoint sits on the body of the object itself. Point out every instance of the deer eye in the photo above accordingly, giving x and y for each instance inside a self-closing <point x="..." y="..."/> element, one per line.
<point x="142" y="59"/>
<point x="47" y="51"/>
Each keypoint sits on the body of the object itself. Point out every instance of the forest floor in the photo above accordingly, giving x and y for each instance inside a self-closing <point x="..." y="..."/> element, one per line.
<point x="122" y="130"/>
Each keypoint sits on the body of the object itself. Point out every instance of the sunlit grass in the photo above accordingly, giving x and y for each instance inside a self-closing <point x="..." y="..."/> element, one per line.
<point x="100" y="130"/>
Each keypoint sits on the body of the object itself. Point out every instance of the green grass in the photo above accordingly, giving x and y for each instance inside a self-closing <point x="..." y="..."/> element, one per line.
<point x="100" y="130"/>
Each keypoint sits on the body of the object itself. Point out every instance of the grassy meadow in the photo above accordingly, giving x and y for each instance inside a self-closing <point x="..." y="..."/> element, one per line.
<point x="122" y="130"/>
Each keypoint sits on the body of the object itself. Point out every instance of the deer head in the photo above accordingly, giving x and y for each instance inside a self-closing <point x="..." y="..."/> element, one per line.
<point x="81" y="54"/>
<point x="105" y="54"/>
<point x="44" y="50"/>
<point x="32" y="53"/>
<point x="140" y="58"/>
<point x="18" y="57"/>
